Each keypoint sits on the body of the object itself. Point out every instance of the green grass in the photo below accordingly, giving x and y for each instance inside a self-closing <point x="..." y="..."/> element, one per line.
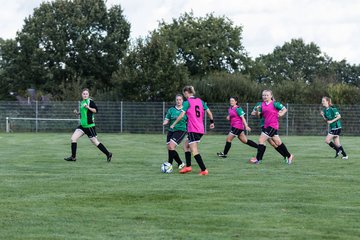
<point x="45" y="197"/>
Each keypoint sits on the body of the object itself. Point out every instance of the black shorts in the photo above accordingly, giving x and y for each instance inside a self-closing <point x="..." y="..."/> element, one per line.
<point x="335" y="132"/>
<point x="90" y="132"/>
<point x="194" y="137"/>
<point x="270" y="132"/>
<point x="176" y="137"/>
<point x="236" y="131"/>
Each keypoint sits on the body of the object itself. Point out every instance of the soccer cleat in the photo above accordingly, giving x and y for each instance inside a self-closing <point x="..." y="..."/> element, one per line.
<point x="253" y="160"/>
<point x="337" y="153"/>
<point x="221" y="154"/>
<point x="181" y="166"/>
<point x="290" y="159"/>
<point x="345" y="157"/>
<point x="203" y="173"/>
<point x="108" y="159"/>
<point x="185" y="170"/>
<point x="70" y="159"/>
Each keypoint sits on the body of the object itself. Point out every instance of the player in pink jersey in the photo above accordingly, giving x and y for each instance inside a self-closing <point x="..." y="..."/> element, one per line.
<point x="238" y="125"/>
<point x="194" y="108"/>
<point x="270" y="111"/>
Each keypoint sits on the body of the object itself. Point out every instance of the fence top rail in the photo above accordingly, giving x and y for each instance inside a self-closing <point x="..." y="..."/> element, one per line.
<point x="44" y="119"/>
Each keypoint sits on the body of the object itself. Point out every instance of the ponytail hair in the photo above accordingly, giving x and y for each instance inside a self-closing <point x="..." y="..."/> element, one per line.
<point x="328" y="100"/>
<point x="189" y="89"/>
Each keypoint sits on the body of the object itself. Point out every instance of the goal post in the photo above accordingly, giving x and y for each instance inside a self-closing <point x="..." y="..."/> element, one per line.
<point x="36" y="121"/>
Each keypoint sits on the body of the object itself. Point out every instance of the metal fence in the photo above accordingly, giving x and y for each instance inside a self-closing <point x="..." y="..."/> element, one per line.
<point x="147" y="117"/>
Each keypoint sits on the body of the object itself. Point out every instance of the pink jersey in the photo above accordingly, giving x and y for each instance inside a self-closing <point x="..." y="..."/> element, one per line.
<point x="270" y="114"/>
<point x="235" y="119"/>
<point x="195" y="114"/>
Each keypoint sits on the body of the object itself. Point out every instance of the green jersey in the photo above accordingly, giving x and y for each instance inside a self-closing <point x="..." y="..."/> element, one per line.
<point x="171" y="115"/>
<point x="87" y="118"/>
<point x="330" y="113"/>
<point x="261" y="118"/>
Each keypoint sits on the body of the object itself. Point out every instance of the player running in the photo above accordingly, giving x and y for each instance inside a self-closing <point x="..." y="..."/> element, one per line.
<point x="238" y="125"/>
<point x="175" y="135"/>
<point x="87" y="126"/>
<point x="272" y="143"/>
<point x="194" y="108"/>
<point x="332" y="117"/>
<point x="270" y="111"/>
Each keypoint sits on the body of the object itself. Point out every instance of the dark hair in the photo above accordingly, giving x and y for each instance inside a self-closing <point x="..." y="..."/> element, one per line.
<point x="189" y="89"/>
<point x="235" y="98"/>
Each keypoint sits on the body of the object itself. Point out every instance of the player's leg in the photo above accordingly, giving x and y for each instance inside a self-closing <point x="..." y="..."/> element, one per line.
<point x="91" y="132"/>
<point x="187" y="152"/>
<point x="227" y="146"/>
<point x="283" y="149"/>
<point x="276" y="147"/>
<point x="340" y="147"/>
<point x="242" y="137"/>
<point x="328" y="140"/>
<point x="175" y="140"/>
<point x="78" y="133"/>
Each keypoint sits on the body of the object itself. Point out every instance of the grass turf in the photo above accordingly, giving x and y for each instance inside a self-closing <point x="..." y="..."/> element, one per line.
<point x="45" y="197"/>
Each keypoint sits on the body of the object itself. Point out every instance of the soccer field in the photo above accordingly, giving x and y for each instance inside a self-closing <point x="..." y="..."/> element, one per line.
<point x="45" y="197"/>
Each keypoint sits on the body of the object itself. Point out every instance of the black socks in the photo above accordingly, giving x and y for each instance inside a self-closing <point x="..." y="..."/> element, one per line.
<point x="200" y="162"/>
<point x="227" y="147"/>
<point x="252" y="143"/>
<point x="103" y="149"/>
<point x="188" y="158"/>
<point x="260" y="152"/>
<point x="73" y="149"/>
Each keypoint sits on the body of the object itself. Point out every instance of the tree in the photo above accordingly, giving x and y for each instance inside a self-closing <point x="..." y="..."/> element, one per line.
<point x="294" y="61"/>
<point x="205" y="44"/>
<point x="150" y="72"/>
<point x="67" y="45"/>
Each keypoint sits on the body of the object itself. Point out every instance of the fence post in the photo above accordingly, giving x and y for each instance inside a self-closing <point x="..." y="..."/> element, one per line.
<point x="36" y="116"/>
<point x="121" y="116"/>
<point x="287" y="119"/>
<point x="7" y="125"/>
<point x="163" y="127"/>
<point x="205" y="118"/>
<point x="247" y="116"/>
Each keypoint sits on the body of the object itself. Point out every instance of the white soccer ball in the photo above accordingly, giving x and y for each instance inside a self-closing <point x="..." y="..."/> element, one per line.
<point x="166" y="167"/>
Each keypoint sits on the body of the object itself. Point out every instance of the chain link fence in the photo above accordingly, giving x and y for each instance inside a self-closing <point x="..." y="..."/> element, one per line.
<point x="147" y="117"/>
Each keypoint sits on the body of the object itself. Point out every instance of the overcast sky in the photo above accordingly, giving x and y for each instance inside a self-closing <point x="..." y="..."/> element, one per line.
<point x="334" y="25"/>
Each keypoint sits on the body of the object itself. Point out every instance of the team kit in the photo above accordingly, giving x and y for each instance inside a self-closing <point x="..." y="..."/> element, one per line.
<point x="186" y="118"/>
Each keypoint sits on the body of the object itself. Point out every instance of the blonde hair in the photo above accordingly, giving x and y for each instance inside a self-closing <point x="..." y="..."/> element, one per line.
<point x="272" y="95"/>
<point x="189" y="89"/>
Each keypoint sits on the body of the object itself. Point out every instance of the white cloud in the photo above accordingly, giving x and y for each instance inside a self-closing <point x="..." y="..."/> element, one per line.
<point x="331" y="24"/>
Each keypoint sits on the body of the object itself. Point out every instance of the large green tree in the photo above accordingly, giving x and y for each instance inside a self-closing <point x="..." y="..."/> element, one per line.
<point x="294" y="61"/>
<point x="205" y="44"/>
<point x="66" y="45"/>
<point x="150" y="72"/>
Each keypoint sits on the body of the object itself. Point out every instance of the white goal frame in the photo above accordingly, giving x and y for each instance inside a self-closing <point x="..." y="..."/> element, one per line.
<point x="8" y="119"/>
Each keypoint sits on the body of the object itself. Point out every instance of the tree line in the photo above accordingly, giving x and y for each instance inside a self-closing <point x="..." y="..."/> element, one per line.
<point x="65" y="46"/>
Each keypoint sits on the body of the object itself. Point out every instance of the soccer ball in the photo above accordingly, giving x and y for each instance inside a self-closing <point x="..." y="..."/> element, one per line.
<point x="166" y="167"/>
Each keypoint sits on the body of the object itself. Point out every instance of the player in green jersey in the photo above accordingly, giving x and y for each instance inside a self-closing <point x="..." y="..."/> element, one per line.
<point x="332" y="117"/>
<point x="87" y="126"/>
<point x="176" y="135"/>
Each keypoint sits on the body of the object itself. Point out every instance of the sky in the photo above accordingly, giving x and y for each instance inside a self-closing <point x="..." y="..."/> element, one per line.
<point x="333" y="25"/>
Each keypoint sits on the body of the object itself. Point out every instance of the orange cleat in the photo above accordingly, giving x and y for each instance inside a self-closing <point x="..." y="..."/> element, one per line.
<point x="185" y="170"/>
<point x="203" y="173"/>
